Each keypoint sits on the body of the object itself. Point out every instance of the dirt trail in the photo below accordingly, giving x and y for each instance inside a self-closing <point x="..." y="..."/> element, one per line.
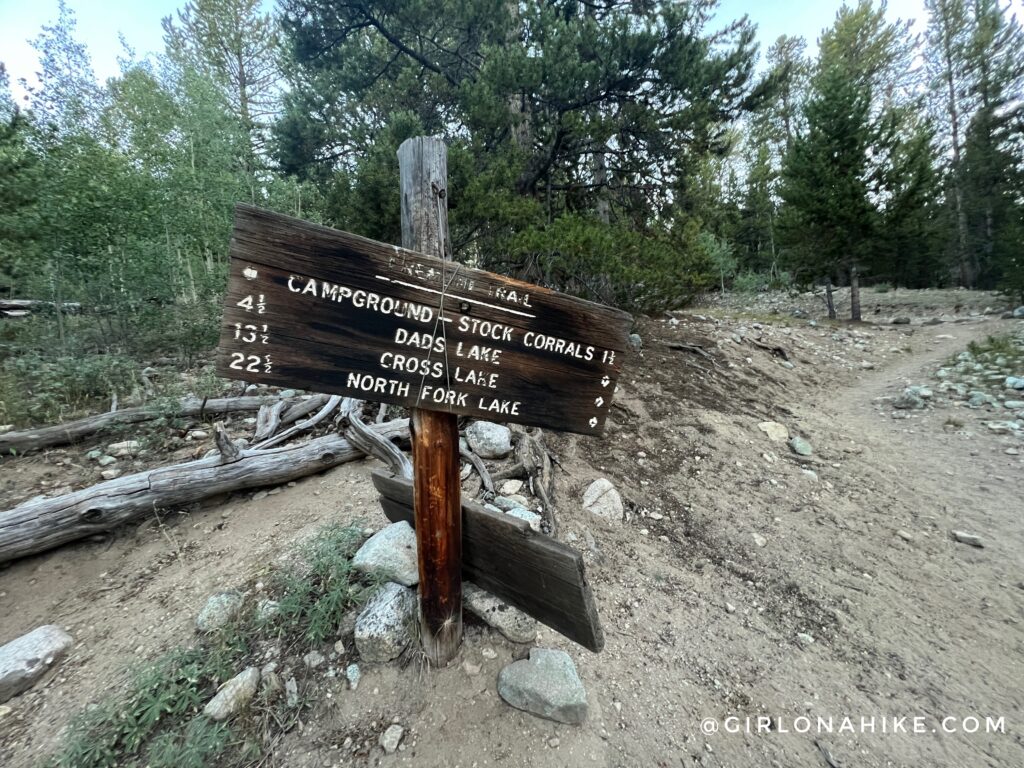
<point x="732" y="549"/>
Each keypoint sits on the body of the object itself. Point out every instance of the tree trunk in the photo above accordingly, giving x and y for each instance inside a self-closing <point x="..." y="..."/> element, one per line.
<point x="854" y="294"/>
<point x="41" y="524"/>
<point x="829" y="300"/>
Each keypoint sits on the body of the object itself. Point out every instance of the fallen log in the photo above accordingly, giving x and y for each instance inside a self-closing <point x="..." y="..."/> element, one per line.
<point x="73" y="431"/>
<point x="41" y="524"/>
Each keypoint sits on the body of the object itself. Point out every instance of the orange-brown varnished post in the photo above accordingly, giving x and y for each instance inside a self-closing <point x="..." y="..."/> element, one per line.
<point x="437" y="502"/>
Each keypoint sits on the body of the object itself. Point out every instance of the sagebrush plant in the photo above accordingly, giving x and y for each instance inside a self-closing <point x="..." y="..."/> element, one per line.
<point x="156" y="719"/>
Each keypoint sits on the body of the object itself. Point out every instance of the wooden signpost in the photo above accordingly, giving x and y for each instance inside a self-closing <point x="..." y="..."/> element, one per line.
<point x="308" y="306"/>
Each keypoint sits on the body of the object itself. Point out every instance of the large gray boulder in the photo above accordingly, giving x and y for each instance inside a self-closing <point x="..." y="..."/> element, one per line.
<point x="234" y="695"/>
<point x="546" y="685"/>
<point x="384" y="628"/>
<point x="27" y="658"/>
<point x="489" y="440"/>
<point x="390" y="552"/>
<point x="603" y="500"/>
<point x="511" y="622"/>
<point x="1019" y="312"/>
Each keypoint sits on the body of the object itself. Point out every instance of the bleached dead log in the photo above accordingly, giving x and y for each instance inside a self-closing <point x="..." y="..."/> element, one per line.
<point x="309" y="423"/>
<point x="73" y="431"/>
<point x="41" y="524"/>
<point x="370" y="441"/>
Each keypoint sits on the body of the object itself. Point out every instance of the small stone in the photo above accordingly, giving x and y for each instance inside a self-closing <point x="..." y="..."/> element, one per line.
<point x="219" y="610"/>
<point x="471" y="668"/>
<point x="810" y="474"/>
<point x="391" y="738"/>
<point x="267" y="609"/>
<point x="27" y="658"/>
<point x="602" y="499"/>
<point x="531" y="518"/>
<point x="487" y="652"/>
<point x="391" y="552"/>
<point x="489" y="440"/>
<point x="635" y="342"/>
<point x="547" y="685"/>
<point x="384" y="628"/>
<point x="759" y="540"/>
<point x="901" y="321"/>
<point x="1014" y="382"/>
<point x="776" y="432"/>
<point x="234" y="695"/>
<point x="968" y="538"/>
<point x="1019" y="312"/>
<point x="511" y="487"/>
<point x="353" y="675"/>
<point x="124" y="448"/>
<point x="553" y="742"/>
<point x="94" y="454"/>
<point x="288" y="393"/>
<point x="260" y="495"/>
<point x="271" y="684"/>
<point x="291" y="691"/>
<point x="199" y="434"/>
<point x="509" y="621"/>
<point x="800" y="446"/>
<point x="106" y="461"/>
<point x="110" y="474"/>
<point x="730" y="608"/>
<point x="313" y="660"/>
<point x="804" y="639"/>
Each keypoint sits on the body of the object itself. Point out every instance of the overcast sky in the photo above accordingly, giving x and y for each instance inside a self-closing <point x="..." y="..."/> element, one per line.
<point x="99" y="24"/>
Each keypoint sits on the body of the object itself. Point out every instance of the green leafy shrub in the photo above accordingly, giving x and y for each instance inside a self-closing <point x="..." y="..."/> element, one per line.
<point x="881" y="288"/>
<point x="750" y="282"/>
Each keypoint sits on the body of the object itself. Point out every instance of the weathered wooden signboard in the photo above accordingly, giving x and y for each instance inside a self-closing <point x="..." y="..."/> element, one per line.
<point x="328" y="311"/>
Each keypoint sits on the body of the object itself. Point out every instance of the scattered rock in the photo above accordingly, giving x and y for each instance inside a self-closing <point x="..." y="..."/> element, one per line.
<point x="489" y="440"/>
<point x="905" y="535"/>
<point x="313" y="660"/>
<point x="531" y="518"/>
<point x="1014" y="382"/>
<point x="391" y="738"/>
<point x="800" y="446"/>
<point x="291" y="692"/>
<point x="635" y="342"/>
<point x="260" y="495"/>
<point x="1014" y="405"/>
<point x="760" y="540"/>
<point x="27" y="658"/>
<point x="901" y="321"/>
<point x="106" y="461"/>
<point x="471" y="668"/>
<point x="124" y="448"/>
<point x="603" y="500"/>
<point x="804" y="639"/>
<point x="776" y="432"/>
<point x="730" y="608"/>
<point x="1018" y="312"/>
<point x="198" y="434"/>
<point x="384" y="628"/>
<point x="271" y="684"/>
<point x="220" y="609"/>
<point x="234" y="695"/>
<point x="511" y="622"/>
<point x="546" y="685"/>
<point x="353" y="675"/>
<point x="511" y="487"/>
<point x="110" y="474"/>
<point x="94" y="454"/>
<point x="968" y="538"/>
<point x="391" y="552"/>
<point x="267" y="609"/>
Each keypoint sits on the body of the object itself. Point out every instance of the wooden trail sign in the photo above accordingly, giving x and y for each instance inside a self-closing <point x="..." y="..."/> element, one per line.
<point x="316" y="308"/>
<point x="502" y="554"/>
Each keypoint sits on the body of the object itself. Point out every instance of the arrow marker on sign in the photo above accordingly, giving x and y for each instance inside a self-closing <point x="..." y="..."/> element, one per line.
<point x="599" y="402"/>
<point x="250" y="273"/>
<point x="605" y="381"/>
<point x="593" y="422"/>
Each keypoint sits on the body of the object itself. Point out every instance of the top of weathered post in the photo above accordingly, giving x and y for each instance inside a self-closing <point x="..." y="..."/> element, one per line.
<point x="423" y="161"/>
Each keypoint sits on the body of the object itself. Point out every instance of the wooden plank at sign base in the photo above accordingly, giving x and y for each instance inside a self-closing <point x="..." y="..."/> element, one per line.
<point x="532" y="572"/>
<point x="309" y="306"/>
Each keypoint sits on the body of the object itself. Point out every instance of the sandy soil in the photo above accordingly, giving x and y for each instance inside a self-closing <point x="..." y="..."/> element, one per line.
<point x="729" y="551"/>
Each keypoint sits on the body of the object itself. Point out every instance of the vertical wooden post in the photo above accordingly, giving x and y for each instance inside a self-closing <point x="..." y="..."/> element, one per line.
<point x="423" y="166"/>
